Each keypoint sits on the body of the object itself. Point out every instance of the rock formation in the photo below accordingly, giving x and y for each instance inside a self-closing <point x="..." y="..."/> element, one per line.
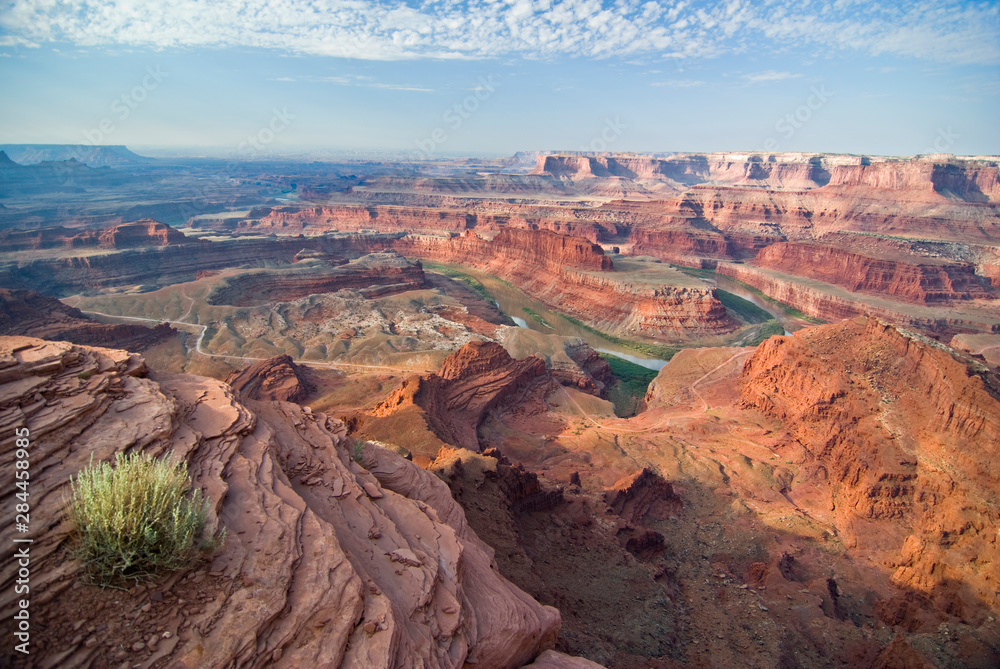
<point x="166" y="265"/>
<point x="360" y="544"/>
<point x="900" y="435"/>
<point x="831" y="303"/>
<point x="909" y="278"/>
<point x="32" y="314"/>
<point x="278" y="379"/>
<point x="373" y="275"/>
<point x="575" y="277"/>
<point x="478" y="378"/>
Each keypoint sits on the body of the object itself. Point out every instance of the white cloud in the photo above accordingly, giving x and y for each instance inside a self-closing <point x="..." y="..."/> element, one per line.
<point x="948" y="31"/>
<point x="679" y="83"/>
<point x="770" y="75"/>
<point x="355" y="80"/>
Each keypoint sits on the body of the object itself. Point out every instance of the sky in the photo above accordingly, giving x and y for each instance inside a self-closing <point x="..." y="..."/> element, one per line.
<point x="442" y="78"/>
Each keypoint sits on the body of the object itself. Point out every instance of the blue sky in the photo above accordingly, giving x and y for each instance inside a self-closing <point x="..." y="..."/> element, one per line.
<point x="440" y="78"/>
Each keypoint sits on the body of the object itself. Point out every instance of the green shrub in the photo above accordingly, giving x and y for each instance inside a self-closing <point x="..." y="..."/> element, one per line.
<point x="538" y="317"/>
<point x="767" y="330"/>
<point x="137" y="519"/>
<point x="651" y="350"/>
<point x="633" y="382"/>
<point x="746" y="309"/>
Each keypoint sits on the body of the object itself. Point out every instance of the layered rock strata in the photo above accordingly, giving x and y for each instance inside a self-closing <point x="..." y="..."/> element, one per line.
<point x="24" y="312"/>
<point x="899" y="435"/>
<point x="278" y="379"/>
<point x="174" y="264"/>
<point x="373" y="275"/>
<point x="479" y="378"/>
<point x="138" y="234"/>
<point x="827" y="302"/>
<point x="575" y="277"/>
<point x="908" y="278"/>
<point x="362" y="545"/>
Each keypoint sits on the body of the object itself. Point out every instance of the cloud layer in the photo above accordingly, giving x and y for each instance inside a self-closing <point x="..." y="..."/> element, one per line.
<point x="942" y="32"/>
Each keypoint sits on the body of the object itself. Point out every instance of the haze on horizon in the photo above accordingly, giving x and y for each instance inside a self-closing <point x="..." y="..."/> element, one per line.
<point x="442" y="77"/>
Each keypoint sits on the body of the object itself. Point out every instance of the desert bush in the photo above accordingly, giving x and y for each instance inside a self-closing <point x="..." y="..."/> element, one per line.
<point x="138" y="518"/>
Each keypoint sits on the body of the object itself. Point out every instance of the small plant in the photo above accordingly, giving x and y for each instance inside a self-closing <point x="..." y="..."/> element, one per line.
<point x="136" y="519"/>
<point x="538" y="317"/>
<point x="358" y="451"/>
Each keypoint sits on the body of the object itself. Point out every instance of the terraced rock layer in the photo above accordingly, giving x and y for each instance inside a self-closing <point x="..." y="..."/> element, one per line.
<point x="366" y="546"/>
<point x="138" y="234"/>
<point x="816" y="301"/>
<point x="373" y="275"/>
<point x="173" y="264"/>
<point x="278" y="379"/>
<point x="901" y="438"/>
<point x="479" y="378"/>
<point x="27" y="313"/>
<point x="575" y="277"/>
<point x="910" y="278"/>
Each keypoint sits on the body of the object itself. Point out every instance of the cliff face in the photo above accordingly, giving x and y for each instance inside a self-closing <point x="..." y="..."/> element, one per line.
<point x="377" y="555"/>
<point x="913" y="279"/>
<point x="442" y="216"/>
<point x="575" y="277"/>
<point x="278" y="379"/>
<point x="31" y="314"/>
<point x="142" y="233"/>
<point x="174" y="264"/>
<point x="966" y="179"/>
<point x="687" y="247"/>
<point x="357" y="217"/>
<point x="974" y="181"/>
<point x="688" y="169"/>
<point x="478" y="378"/>
<point x="902" y="437"/>
<point x="819" y="303"/>
<point x="145" y="232"/>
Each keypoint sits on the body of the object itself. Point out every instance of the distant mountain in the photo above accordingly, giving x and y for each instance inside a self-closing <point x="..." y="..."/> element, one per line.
<point x="6" y="162"/>
<point x="93" y="156"/>
<point x="55" y="176"/>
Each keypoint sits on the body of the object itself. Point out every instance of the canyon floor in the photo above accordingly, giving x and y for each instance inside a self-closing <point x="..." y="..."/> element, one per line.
<point x="422" y="406"/>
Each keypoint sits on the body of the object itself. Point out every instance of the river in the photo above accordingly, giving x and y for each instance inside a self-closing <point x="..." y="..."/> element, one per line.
<point x="512" y="302"/>
<point x="789" y="322"/>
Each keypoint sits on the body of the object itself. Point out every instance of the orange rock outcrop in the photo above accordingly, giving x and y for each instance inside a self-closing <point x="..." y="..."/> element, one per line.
<point x="278" y="379"/>
<point x="902" y="438"/>
<point x="819" y="302"/>
<point x="360" y="544"/>
<point x="478" y="378"/>
<point x="910" y="278"/>
<point x="575" y="277"/>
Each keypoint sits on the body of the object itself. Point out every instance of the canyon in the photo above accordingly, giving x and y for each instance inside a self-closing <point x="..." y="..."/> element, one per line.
<point x="399" y="388"/>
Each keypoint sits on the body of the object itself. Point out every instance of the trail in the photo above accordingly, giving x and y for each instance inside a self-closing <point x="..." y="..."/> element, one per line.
<point x="246" y="358"/>
<point x="666" y="421"/>
<point x="693" y="386"/>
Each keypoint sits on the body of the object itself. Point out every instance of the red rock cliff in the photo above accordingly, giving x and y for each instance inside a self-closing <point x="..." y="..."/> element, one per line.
<point x="905" y="277"/>
<point x="377" y="554"/>
<point x="574" y="276"/>
<point x="903" y="438"/>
